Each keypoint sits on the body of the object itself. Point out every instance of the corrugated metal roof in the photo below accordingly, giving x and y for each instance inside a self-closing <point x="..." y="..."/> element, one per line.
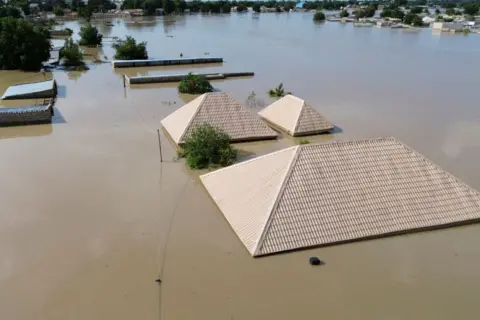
<point x="43" y="89"/>
<point x="220" y="110"/>
<point x="295" y="116"/>
<point x="339" y="192"/>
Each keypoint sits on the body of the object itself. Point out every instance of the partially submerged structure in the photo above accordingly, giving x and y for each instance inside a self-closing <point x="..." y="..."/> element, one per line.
<point x="32" y="90"/>
<point x="295" y="116"/>
<point x="322" y="194"/>
<point x="27" y="115"/>
<point x="220" y="110"/>
<point x="448" y="26"/>
<point x="180" y="77"/>
<point x="163" y="62"/>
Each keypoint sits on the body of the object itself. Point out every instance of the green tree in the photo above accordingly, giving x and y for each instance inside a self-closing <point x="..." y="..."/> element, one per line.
<point x="392" y="13"/>
<point x="226" y="8"/>
<point x="319" y="16"/>
<point x="437" y="11"/>
<point x="58" y="11"/>
<point x="413" y="19"/>
<point x="416" y="10"/>
<point x="206" y="146"/>
<point x="168" y="6"/>
<point x="128" y="49"/>
<point x="241" y="8"/>
<point x="370" y="11"/>
<point x="194" y="84"/>
<point x="71" y="54"/>
<point x="8" y="11"/>
<point x="22" y="4"/>
<point x="85" y="13"/>
<point x="450" y="11"/>
<point x="180" y="6"/>
<point x="256" y="8"/>
<point x="417" y="21"/>
<point x="359" y="14"/>
<point x="471" y="8"/>
<point x="89" y="36"/>
<point x="344" y="14"/>
<point x="386" y="13"/>
<point x="448" y="5"/>
<point x="22" y="45"/>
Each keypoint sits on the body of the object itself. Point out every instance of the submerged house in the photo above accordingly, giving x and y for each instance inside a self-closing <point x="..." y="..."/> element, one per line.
<point x="295" y="116"/>
<point x="220" y="110"/>
<point x="448" y="26"/>
<point x="324" y="194"/>
<point x="31" y="90"/>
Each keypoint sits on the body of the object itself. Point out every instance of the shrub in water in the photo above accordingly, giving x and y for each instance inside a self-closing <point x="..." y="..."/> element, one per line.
<point x="71" y="54"/>
<point x="278" y="91"/>
<point x="128" y="49"/>
<point x="319" y="16"/>
<point x="89" y="36"/>
<point x="207" y="146"/>
<point x="194" y="84"/>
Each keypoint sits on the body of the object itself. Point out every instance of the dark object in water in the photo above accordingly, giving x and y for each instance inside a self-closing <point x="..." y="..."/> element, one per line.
<point x="158" y="281"/>
<point x="314" y="261"/>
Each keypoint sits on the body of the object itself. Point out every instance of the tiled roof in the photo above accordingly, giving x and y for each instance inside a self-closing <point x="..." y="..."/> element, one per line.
<point x="310" y="121"/>
<point x="295" y="116"/>
<point x="220" y="110"/>
<point x="339" y="192"/>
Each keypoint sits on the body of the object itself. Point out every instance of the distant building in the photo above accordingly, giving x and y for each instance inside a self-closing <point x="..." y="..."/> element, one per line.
<point x="428" y="20"/>
<point x="448" y="26"/>
<point x="384" y="23"/>
<point x="299" y="5"/>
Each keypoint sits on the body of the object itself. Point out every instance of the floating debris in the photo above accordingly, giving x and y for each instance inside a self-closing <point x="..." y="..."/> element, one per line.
<point x="314" y="261"/>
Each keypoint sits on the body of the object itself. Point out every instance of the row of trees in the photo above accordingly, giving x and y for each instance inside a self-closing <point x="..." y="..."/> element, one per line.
<point x="22" y="45"/>
<point x="223" y="6"/>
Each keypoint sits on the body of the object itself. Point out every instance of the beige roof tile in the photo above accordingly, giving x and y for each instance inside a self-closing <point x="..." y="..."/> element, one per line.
<point x="295" y="116"/>
<point x="338" y="192"/>
<point x="220" y="110"/>
<point x="249" y="205"/>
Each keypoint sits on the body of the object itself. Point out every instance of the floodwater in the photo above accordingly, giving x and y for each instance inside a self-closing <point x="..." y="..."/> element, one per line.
<point x="90" y="217"/>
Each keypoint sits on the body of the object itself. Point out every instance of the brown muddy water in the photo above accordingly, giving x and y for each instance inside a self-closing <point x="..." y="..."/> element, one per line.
<point x="90" y="217"/>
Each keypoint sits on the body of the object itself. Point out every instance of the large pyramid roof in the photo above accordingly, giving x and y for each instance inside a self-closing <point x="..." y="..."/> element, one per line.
<point x="295" y="116"/>
<point x="220" y="110"/>
<point x="320" y="194"/>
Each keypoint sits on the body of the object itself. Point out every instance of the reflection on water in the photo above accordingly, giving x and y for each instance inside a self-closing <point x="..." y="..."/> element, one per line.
<point x="26" y="131"/>
<point x="87" y="205"/>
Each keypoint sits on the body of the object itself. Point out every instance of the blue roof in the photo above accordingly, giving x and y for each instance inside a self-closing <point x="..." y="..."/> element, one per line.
<point x="299" y="5"/>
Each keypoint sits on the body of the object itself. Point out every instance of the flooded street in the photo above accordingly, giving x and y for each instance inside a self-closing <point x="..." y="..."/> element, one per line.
<point x="90" y="217"/>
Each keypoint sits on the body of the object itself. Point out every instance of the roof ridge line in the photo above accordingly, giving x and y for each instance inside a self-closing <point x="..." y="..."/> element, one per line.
<point x="200" y="105"/>
<point x="277" y="201"/>
<point x="297" y="122"/>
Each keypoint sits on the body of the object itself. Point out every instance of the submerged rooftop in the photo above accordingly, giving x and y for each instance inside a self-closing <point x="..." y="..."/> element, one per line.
<point x="220" y="110"/>
<point x="295" y="116"/>
<point x="321" y="194"/>
<point x="33" y="90"/>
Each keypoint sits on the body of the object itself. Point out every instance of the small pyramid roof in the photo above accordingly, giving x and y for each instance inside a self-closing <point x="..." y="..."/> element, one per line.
<point x="220" y="110"/>
<point x="295" y="116"/>
<point x="320" y="194"/>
